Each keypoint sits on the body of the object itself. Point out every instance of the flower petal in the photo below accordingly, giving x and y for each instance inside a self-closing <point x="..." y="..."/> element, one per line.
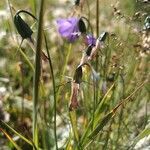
<point x="90" y="40"/>
<point x="68" y="28"/>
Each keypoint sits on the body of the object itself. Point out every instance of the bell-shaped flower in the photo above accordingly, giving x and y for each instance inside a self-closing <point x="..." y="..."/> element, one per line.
<point x="68" y="28"/>
<point x="90" y="40"/>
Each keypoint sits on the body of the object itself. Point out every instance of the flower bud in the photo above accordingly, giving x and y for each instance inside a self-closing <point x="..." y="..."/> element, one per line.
<point x="77" y="2"/>
<point x="78" y="75"/>
<point x="81" y="26"/>
<point x="103" y="36"/>
<point x="88" y="50"/>
<point x="22" y="27"/>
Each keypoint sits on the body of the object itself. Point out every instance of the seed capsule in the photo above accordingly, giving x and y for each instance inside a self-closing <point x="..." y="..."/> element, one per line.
<point x="103" y="36"/>
<point x="22" y="27"/>
<point x="78" y="75"/>
<point x="81" y="25"/>
<point x="77" y="2"/>
<point x="88" y="50"/>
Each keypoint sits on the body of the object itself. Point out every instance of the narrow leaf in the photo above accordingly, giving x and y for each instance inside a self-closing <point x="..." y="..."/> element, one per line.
<point x="101" y="125"/>
<point x="10" y="139"/>
<point x="14" y="131"/>
<point x="143" y="134"/>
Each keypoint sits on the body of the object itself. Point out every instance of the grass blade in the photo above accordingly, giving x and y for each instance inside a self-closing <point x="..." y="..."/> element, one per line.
<point x="10" y="139"/>
<point x="14" y="131"/>
<point x="100" y="126"/>
<point x="102" y="123"/>
<point x="143" y="134"/>
<point x="97" y="117"/>
<point x="73" y="120"/>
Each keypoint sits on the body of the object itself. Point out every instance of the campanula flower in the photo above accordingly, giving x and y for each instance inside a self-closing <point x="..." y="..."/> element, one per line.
<point x="90" y="40"/>
<point x="68" y="28"/>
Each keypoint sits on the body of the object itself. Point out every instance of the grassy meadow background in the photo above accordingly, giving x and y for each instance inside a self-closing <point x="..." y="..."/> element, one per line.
<point x="114" y="108"/>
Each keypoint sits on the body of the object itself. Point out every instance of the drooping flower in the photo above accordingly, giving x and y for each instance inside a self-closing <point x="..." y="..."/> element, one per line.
<point x="90" y="40"/>
<point x="68" y="28"/>
<point x="71" y="28"/>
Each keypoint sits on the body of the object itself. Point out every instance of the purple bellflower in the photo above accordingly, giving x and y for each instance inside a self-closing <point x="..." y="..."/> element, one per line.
<point x="90" y="40"/>
<point x="68" y="28"/>
<point x="71" y="28"/>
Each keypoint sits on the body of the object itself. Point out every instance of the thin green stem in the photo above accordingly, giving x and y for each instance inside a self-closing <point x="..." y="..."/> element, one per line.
<point x="54" y="91"/>
<point x="64" y="68"/>
<point x="95" y="85"/>
<point x="73" y="120"/>
<point x="26" y="58"/>
<point x="97" y="57"/>
<point x="97" y="28"/>
<point x="33" y="4"/>
<point x="24" y="11"/>
<point x="37" y="74"/>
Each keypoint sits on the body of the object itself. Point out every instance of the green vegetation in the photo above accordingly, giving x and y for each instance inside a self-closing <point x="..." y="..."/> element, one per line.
<point x="59" y="94"/>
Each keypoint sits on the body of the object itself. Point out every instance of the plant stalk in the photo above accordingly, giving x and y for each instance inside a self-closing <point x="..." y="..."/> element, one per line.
<point x="37" y="74"/>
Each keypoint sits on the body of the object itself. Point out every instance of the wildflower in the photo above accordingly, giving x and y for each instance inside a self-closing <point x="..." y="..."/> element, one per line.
<point x="22" y="27"/>
<point x="81" y="26"/>
<point x="90" y="40"/>
<point x="68" y="28"/>
<point x="99" y="44"/>
<point x="71" y="28"/>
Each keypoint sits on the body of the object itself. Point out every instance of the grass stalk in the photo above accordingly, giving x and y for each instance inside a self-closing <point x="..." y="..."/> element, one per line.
<point x="73" y="119"/>
<point x="33" y="4"/>
<point x="26" y="59"/>
<point x="97" y="57"/>
<point x="37" y="74"/>
<point x="97" y="28"/>
<point x="54" y="91"/>
<point x="64" y="69"/>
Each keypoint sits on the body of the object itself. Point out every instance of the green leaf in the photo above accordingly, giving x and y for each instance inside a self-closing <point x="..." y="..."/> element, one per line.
<point x="100" y="126"/>
<point x="97" y="115"/>
<point x="143" y="134"/>
<point x="14" y="131"/>
<point x="73" y="119"/>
